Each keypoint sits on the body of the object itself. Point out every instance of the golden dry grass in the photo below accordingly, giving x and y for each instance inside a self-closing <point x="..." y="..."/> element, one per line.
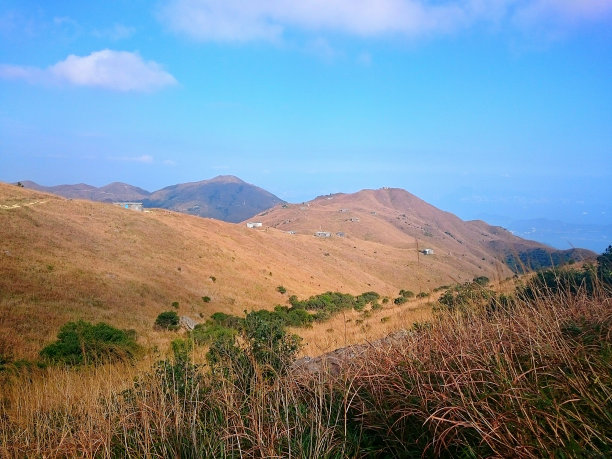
<point x="531" y="381"/>
<point x="64" y="259"/>
<point x="353" y="327"/>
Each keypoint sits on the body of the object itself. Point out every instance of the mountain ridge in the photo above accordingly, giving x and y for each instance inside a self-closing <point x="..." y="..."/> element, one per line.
<point x="406" y="220"/>
<point x="224" y="197"/>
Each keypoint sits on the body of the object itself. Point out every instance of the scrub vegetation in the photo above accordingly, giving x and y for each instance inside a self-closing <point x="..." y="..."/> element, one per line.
<point x="526" y="373"/>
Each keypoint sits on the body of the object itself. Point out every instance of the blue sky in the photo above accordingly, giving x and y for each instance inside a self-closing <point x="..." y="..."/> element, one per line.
<point x="499" y="107"/>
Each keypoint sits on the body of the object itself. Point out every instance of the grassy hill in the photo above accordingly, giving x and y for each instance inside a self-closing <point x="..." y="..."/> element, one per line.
<point x="63" y="259"/>
<point x="66" y="259"/>
<point x="396" y="218"/>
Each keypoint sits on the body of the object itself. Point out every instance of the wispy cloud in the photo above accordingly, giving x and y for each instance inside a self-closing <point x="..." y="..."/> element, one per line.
<point x="146" y="159"/>
<point x="566" y="11"/>
<point x="107" y="69"/>
<point x="321" y="48"/>
<point x="237" y="20"/>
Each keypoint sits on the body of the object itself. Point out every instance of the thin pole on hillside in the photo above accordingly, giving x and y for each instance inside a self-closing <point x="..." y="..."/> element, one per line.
<point x="418" y="263"/>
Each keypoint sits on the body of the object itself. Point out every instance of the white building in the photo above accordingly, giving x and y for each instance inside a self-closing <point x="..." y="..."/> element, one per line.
<point x="130" y="205"/>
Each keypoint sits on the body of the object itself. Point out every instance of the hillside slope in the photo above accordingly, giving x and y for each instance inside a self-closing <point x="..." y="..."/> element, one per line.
<point x="64" y="259"/>
<point x="397" y="218"/>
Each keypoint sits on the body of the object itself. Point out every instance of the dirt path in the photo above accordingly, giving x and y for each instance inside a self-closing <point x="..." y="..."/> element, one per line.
<point x="16" y="206"/>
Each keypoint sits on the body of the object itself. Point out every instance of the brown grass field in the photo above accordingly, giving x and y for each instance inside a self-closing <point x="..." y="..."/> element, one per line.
<point x="64" y="259"/>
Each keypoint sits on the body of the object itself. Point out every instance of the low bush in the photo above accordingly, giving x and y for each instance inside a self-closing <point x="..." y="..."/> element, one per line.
<point x="481" y="280"/>
<point x="85" y="343"/>
<point x="561" y="280"/>
<point x="168" y="320"/>
<point x="466" y="297"/>
<point x="209" y="332"/>
<point x="264" y="348"/>
<point x="227" y="320"/>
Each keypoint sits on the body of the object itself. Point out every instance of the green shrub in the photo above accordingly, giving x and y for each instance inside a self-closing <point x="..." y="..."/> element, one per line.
<point x="467" y="296"/>
<point x="263" y="343"/>
<point x="175" y="304"/>
<point x="400" y="300"/>
<point x="406" y="293"/>
<point x="178" y="378"/>
<point x="559" y="280"/>
<point x="604" y="266"/>
<point x="293" y="317"/>
<point x="268" y="341"/>
<point x="368" y="297"/>
<point x="168" y="320"/>
<point x="5" y="360"/>
<point x="329" y="303"/>
<point x="481" y="280"/>
<point x="85" y="343"/>
<point x="210" y="332"/>
<point x="206" y="299"/>
<point x="280" y="289"/>
<point x="227" y="320"/>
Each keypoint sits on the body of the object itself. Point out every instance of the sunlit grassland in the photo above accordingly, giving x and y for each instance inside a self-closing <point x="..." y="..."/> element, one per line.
<point x="530" y="380"/>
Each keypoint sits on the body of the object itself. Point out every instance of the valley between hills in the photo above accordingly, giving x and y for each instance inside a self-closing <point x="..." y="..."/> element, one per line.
<point x="65" y="259"/>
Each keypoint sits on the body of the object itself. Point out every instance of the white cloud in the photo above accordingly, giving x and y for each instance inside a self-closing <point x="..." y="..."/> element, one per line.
<point x="115" y="70"/>
<point x="240" y="20"/>
<point x="16" y="72"/>
<point x="142" y="159"/>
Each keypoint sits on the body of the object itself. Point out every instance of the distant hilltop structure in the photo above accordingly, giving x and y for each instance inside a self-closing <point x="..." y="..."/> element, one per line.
<point x="427" y="251"/>
<point x="130" y="205"/>
<point x="254" y="225"/>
